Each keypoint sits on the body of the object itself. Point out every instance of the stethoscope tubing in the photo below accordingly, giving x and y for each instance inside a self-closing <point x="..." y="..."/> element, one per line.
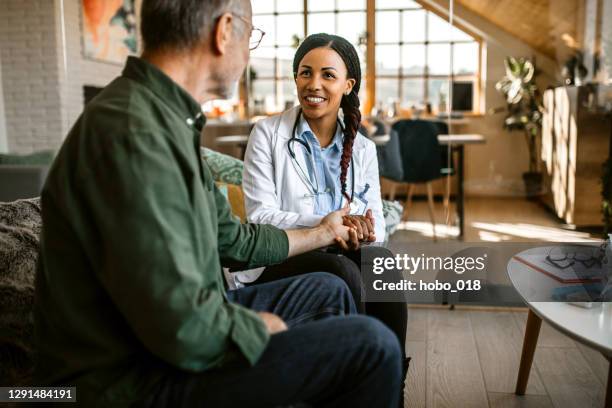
<point x="303" y="175"/>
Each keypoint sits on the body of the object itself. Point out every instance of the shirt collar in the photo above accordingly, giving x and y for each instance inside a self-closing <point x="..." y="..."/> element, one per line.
<point x="166" y="89"/>
<point x="306" y="134"/>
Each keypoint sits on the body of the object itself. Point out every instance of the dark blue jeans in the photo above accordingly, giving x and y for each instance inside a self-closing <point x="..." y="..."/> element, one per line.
<point x="325" y="359"/>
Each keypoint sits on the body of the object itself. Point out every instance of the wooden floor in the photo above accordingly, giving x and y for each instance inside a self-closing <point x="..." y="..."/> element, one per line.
<point x="469" y="357"/>
<point x="488" y="219"/>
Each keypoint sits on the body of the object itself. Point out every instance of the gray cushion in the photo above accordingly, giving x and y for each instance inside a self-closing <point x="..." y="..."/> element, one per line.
<point x="42" y="158"/>
<point x="20" y="225"/>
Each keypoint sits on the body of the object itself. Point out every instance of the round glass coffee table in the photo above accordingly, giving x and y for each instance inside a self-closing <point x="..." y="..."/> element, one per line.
<point x="591" y="326"/>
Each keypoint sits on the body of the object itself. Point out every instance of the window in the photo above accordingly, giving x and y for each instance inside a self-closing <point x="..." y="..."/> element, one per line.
<point x="414" y="51"/>
<point x="346" y="18"/>
<point x="271" y="86"/>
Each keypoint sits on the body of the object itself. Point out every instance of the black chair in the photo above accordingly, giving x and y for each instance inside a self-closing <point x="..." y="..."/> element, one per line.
<point x="414" y="145"/>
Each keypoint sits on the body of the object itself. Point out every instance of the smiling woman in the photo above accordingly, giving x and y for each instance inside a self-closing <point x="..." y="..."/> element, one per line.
<point x="311" y="160"/>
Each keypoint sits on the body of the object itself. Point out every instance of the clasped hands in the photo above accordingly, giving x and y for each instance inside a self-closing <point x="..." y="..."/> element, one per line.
<point x="350" y="231"/>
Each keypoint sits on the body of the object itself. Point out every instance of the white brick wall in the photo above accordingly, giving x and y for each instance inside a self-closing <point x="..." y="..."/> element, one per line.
<point x="3" y="144"/>
<point x="41" y="100"/>
<point x="80" y="71"/>
<point x="29" y="74"/>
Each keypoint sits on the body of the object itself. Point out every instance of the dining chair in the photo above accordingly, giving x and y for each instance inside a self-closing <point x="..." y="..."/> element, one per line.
<point x="414" y="156"/>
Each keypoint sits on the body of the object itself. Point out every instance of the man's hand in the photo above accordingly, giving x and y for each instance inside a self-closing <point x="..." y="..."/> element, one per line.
<point x="273" y="323"/>
<point x="331" y="230"/>
<point x="333" y="223"/>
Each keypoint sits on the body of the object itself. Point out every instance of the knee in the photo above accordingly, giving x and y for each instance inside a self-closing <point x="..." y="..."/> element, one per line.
<point x="368" y="253"/>
<point x="377" y="336"/>
<point x="377" y="342"/>
<point x="326" y="285"/>
<point x="342" y="266"/>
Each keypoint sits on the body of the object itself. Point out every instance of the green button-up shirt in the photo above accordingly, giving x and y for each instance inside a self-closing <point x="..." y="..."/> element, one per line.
<point x="135" y="233"/>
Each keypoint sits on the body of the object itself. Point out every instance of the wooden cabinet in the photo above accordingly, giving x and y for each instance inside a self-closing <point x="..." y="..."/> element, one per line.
<point x="575" y="144"/>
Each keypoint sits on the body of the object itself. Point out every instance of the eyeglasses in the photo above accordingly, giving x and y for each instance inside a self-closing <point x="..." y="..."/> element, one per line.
<point x="589" y="257"/>
<point x="256" y="33"/>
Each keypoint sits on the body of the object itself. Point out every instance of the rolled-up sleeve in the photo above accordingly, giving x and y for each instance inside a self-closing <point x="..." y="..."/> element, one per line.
<point x="248" y="245"/>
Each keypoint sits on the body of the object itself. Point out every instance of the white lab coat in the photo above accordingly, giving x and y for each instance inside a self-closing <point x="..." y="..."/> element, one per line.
<point x="276" y="193"/>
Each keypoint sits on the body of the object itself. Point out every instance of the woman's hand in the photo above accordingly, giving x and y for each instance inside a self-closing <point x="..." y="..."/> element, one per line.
<point x="363" y="225"/>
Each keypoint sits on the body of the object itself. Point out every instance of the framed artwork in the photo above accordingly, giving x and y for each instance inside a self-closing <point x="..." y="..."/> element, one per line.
<point x="109" y="30"/>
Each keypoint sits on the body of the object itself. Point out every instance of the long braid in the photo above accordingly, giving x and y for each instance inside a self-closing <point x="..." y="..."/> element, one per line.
<point x="350" y="102"/>
<point x="352" y="119"/>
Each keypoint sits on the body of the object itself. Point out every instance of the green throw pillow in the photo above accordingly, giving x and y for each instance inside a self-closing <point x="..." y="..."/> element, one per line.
<point x="392" y="211"/>
<point x="224" y="168"/>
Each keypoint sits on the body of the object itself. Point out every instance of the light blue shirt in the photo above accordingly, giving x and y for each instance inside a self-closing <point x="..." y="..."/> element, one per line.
<point x="323" y="167"/>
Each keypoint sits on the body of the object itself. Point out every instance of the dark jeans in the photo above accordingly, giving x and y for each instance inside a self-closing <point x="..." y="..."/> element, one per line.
<point x="324" y="359"/>
<point x="348" y="267"/>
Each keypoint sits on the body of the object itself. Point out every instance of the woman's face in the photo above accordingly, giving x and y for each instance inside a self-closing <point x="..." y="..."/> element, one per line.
<point x="321" y="82"/>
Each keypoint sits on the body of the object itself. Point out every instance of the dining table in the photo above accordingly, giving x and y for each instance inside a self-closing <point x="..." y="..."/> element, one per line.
<point x="457" y="143"/>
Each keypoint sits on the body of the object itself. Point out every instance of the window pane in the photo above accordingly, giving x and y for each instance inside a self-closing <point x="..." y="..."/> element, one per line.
<point x="412" y="92"/>
<point x="387" y="26"/>
<point x="362" y="59"/>
<point x="438" y="59"/>
<point x="387" y="59"/>
<point x="288" y="95"/>
<point x="465" y="58"/>
<point x="441" y="30"/>
<point x="266" y="23"/>
<point x="284" y="6"/>
<point x="262" y="6"/>
<point x="352" y="25"/>
<point x="413" y="59"/>
<point x="386" y="4"/>
<point x="362" y="91"/>
<point x="262" y="62"/>
<point x="437" y="90"/>
<point x="413" y="25"/>
<point x="321" y="23"/>
<point x="263" y="96"/>
<point x="320" y="5"/>
<point x="387" y="90"/>
<point x="438" y="29"/>
<point x="351" y="4"/>
<point x="289" y="26"/>
<point x="285" y="62"/>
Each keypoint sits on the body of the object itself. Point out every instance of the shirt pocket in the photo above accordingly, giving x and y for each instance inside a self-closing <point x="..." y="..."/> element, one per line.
<point x="305" y="204"/>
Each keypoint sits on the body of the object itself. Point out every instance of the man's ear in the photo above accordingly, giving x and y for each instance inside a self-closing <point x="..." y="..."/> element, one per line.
<point x="222" y="34"/>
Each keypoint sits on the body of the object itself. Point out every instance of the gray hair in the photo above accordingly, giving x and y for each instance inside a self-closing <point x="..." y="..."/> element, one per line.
<point x="181" y="24"/>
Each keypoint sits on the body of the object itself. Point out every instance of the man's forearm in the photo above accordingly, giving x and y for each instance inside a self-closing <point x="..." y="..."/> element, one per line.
<point x="304" y="240"/>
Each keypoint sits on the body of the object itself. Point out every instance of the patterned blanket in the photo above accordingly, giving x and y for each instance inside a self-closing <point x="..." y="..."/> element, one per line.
<point x="20" y="225"/>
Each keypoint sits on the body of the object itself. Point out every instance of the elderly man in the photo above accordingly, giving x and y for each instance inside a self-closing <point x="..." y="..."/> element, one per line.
<point x="131" y="306"/>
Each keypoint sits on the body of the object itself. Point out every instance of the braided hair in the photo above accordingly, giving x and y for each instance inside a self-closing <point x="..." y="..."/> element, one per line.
<point x="350" y="102"/>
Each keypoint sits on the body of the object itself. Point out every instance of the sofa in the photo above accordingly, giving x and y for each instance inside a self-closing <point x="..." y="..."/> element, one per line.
<point x="20" y="226"/>
<point x="22" y="176"/>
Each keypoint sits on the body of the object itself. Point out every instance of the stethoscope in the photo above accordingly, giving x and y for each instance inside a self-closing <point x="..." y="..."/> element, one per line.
<point x="303" y="175"/>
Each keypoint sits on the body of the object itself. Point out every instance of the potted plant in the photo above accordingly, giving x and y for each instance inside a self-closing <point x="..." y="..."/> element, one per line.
<point x="524" y="113"/>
